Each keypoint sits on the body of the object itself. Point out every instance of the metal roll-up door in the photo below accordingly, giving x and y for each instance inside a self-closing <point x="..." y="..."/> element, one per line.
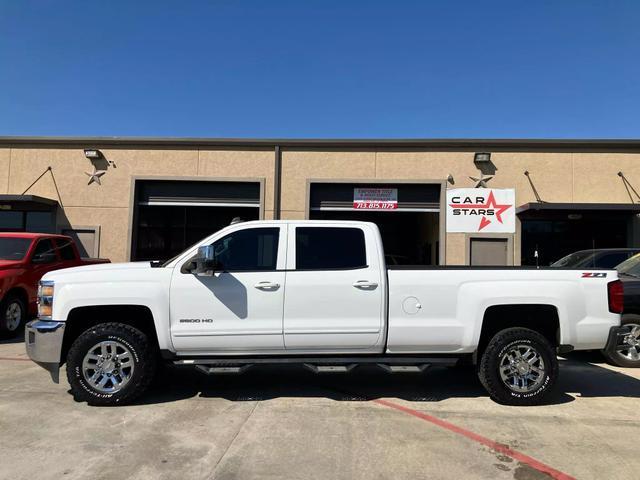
<point x="411" y="197"/>
<point x="199" y="193"/>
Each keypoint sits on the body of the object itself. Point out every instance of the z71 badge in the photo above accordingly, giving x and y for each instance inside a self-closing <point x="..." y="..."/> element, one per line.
<point x="594" y="274"/>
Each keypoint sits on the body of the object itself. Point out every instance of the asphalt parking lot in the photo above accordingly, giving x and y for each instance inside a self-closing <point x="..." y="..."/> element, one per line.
<point x="271" y="423"/>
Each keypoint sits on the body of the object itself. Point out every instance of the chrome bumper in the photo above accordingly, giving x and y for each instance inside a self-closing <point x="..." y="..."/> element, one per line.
<point x="43" y="339"/>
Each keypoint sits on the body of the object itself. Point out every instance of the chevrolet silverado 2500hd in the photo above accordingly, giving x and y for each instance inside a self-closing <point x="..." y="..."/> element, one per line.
<point x="316" y="293"/>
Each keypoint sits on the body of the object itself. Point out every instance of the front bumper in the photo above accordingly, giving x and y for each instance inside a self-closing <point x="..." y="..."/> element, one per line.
<point x="43" y="339"/>
<point x="617" y="337"/>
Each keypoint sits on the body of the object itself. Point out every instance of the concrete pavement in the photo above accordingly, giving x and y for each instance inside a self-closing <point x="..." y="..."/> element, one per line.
<point x="292" y="424"/>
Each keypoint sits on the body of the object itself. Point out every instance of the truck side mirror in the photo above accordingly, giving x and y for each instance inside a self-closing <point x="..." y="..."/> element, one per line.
<point x="47" y="257"/>
<point x="205" y="260"/>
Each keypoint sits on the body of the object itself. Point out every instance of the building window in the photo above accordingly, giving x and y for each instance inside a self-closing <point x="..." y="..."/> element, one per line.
<point x="15" y="221"/>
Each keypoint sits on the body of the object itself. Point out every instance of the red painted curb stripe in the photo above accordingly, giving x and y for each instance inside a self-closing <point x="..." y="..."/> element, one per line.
<point x="520" y="457"/>
<point x="15" y="358"/>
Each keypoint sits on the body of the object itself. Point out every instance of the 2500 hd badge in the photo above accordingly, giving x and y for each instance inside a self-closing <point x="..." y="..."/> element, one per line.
<point x="196" y="320"/>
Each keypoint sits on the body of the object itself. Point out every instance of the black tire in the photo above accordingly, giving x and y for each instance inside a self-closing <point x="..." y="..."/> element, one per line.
<point x="143" y="358"/>
<point x="622" y="358"/>
<point x="497" y="349"/>
<point x="9" y="328"/>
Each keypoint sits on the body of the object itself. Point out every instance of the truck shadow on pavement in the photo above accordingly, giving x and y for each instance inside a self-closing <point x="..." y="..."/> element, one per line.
<point x="17" y="339"/>
<point x="577" y="379"/>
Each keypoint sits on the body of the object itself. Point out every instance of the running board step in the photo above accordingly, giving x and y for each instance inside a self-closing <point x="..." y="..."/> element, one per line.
<point x="327" y="360"/>
<point x="330" y="368"/>
<point x="223" y="370"/>
<point x="404" y="368"/>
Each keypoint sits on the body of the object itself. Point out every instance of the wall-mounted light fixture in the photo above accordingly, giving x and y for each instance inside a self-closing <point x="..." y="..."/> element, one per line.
<point x="482" y="157"/>
<point x="92" y="153"/>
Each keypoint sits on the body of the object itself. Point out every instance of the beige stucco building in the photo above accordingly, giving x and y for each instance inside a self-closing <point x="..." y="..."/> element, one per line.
<point x="156" y="196"/>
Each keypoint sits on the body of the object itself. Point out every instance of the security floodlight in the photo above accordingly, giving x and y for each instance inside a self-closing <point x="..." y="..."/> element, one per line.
<point x="482" y="157"/>
<point x="92" y="153"/>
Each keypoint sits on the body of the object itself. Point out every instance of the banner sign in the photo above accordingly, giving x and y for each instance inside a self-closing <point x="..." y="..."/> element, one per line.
<point x="486" y="210"/>
<point x="375" y="198"/>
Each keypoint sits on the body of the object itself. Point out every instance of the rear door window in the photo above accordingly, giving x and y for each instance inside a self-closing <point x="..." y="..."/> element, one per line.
<point x="330" y="248"/>
<point x="66" y="250"/>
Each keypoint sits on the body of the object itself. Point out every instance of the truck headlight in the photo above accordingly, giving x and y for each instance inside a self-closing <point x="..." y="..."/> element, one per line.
<point x="45" y="299"/>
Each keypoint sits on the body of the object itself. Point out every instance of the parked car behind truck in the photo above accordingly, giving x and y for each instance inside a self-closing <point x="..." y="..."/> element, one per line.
<point x="316" y="293"/>
<point x="627" y="262"/>
<point x="627" y="354"/>
<point x="24" y="259"/>
<point x="596" y="258"/>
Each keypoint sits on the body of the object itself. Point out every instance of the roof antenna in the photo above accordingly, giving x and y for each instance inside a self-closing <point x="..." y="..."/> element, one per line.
<point x="235" y="220"/>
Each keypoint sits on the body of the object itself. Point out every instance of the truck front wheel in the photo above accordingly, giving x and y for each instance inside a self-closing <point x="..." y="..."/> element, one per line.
<point x="518" y="367"/>
<point x="110" y="364"/>
<point x="13" y="313"/>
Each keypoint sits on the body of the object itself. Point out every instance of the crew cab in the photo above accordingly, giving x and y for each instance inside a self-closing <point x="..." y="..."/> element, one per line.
<point x="316" y="293"/>
<point x="24" y="259"/>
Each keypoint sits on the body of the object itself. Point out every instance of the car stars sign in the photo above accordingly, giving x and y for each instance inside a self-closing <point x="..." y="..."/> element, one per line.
<point x="484" y="210"/>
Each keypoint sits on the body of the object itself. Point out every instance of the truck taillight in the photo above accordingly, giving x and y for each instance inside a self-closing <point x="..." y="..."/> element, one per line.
<point x="616" y="296"/>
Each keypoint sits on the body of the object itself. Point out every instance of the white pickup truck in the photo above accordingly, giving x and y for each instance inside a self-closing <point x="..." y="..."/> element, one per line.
<point x="316" y="293"/>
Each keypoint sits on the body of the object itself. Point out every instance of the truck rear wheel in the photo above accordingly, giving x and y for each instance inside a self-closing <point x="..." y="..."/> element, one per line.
<point x="110" y="364"/>
<point x="518" y="367"/>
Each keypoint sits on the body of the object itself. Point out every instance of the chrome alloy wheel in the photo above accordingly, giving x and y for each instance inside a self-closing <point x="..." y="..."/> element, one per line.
<point x="108" y="366"/>
<point x="13" y="315"/>
<point x="630" y="348"/>
<point x="522" y="368"/>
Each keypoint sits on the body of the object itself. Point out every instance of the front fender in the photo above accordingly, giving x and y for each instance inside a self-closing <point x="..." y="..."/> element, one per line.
<point x="150" y="294"/>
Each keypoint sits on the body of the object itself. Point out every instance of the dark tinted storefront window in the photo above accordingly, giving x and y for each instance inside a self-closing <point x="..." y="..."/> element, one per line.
<point x="319" y="248"/>
<point x="37" y="222"/>
<point x="554" y="238"/>
<point x="11" y="221"/>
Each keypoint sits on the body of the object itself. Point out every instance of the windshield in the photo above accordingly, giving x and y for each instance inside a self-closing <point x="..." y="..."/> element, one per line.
<point x="14" y="248"/>
<point x="577" y="259"/>
<point x="631" y="266"/>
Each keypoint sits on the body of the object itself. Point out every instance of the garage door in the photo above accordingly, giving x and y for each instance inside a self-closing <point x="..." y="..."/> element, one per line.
<point x="415" y="197"/>
<point x="407" y="215"/>
<point x="172" y="215"/>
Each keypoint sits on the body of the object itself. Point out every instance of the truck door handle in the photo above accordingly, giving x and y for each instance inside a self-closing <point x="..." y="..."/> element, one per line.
<point x="267" y="286"/>
<point x="365" y="284"/>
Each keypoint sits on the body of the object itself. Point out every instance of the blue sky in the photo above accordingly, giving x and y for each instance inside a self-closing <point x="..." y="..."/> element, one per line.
<point x="403" y="69"/>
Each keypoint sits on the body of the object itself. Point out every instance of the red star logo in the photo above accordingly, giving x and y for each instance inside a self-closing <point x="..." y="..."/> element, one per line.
<point x="490" y="204"/>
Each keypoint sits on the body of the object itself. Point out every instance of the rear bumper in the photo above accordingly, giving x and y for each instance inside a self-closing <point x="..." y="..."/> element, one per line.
<point x="617" y="337"/>
<point x="43" y="340"/>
